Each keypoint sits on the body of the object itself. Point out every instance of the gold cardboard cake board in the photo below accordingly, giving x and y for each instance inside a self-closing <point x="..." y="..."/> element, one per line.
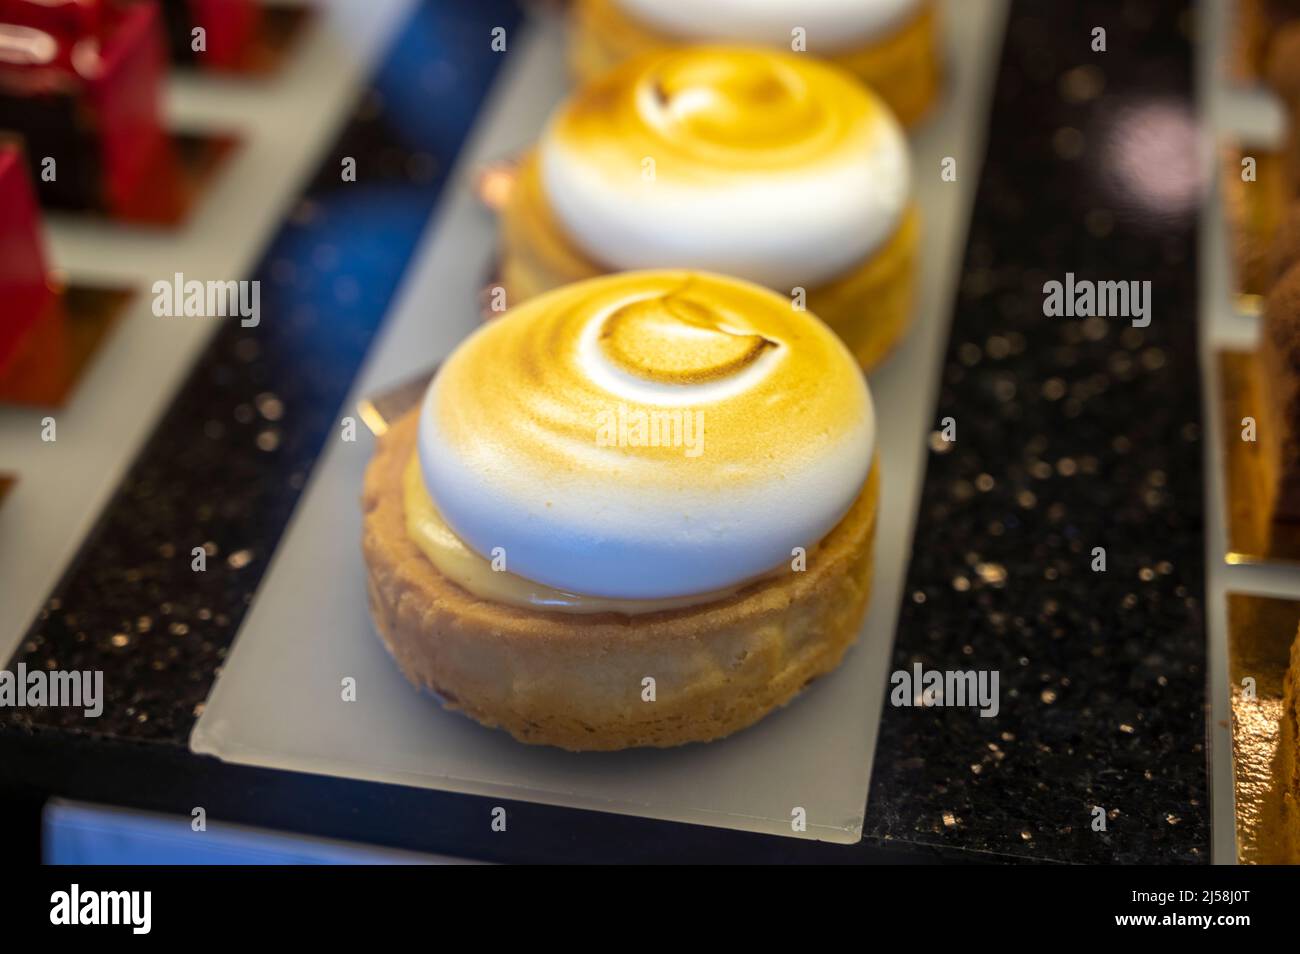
<point x="92" y="314"/>
<point x="1254" y="211"/>
<point x="1252" y="536"/>
<point x="171" y="197"/>
<point x="380" y="410"/>
<point x="1261" y="630"/>
<point x="60" y="348"/>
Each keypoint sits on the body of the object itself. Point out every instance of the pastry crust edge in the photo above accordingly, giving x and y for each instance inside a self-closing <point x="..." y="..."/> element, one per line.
<point x="576" y="681"/>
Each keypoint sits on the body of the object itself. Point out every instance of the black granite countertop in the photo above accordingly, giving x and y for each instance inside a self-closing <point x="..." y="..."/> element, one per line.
<point x="1071" y="434"/>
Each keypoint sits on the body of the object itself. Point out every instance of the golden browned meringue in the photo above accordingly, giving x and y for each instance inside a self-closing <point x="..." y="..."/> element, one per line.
<point x="891" y="45"/>
<point x="769" y="166"/>
<point x="647" y="435"/>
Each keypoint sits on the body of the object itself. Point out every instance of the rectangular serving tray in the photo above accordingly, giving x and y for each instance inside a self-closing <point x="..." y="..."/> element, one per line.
<point x="278" y="703"/>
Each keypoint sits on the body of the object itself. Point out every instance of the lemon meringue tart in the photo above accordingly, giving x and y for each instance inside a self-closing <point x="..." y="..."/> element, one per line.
<point x="772" y="167"/>
<point x="891" y="45"/>
<point x="635" y="511"/>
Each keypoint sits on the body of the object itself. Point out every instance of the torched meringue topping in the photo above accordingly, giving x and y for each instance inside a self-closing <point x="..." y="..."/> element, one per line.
<point x="828" y="25"/>
<point x="647" y="435"/>
<point x="770" y="166"/>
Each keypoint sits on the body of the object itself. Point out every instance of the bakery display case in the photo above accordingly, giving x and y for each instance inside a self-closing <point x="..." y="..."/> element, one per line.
<point x="637" y="431"/>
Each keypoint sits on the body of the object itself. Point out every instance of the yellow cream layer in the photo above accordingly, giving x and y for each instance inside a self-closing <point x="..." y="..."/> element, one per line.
<point x="466" y="568"/>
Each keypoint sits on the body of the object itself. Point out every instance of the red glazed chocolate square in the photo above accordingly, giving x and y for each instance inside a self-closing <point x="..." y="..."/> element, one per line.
<point x="65" y="18"/>
<point x="87" y="100"/>
<point x="23" y="287"/>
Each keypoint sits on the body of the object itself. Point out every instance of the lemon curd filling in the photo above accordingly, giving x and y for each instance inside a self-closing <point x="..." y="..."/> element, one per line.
<point x="466" y="568"/>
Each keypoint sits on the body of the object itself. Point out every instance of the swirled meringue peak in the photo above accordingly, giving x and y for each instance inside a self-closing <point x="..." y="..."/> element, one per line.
<point x="769" y="166"/>
<point x="830" y="25"/>
<point x="647" y="435"/>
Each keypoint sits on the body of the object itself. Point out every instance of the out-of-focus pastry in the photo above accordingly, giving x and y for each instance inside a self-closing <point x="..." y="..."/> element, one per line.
<point x="33" y="328"/>
<point x="1279" y="411"/>
<point x="1257" y="24"/>
<point x="80" y="83"/>
<point x="28" y="298"/>
<point x="773" y="167"/>
<point x="892" y="45"/>
<point x="636" y="511"/>
<point x="1283" y="249"/>
<point x="1289" y="759"/>
<point x="1283" y="75"/>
